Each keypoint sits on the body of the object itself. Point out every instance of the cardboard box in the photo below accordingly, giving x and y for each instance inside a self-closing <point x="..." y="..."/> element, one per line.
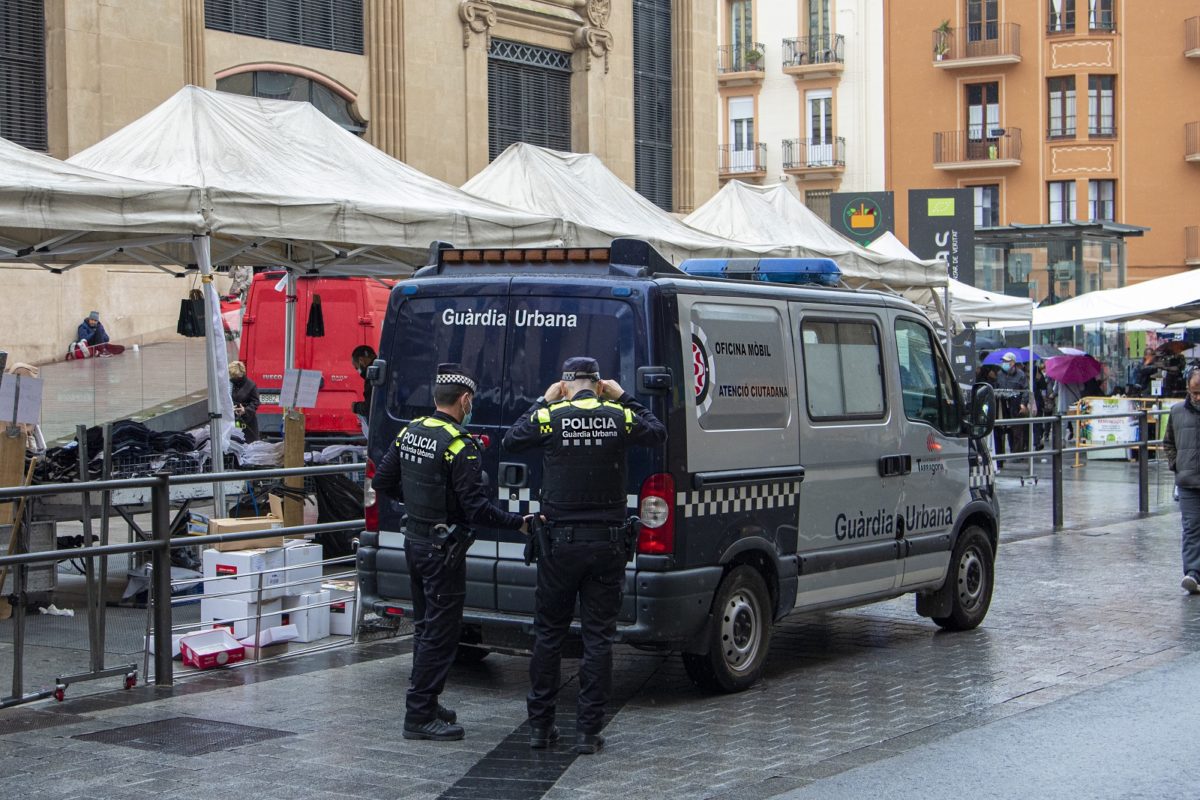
<point x="208" y="649"/>
<point x="310" y="618"/>
<point x="342" y="612"/>
<point x="175" y="639"/>
<point x="303" y="560"/>
<point x="221" y="612"/>
<point x="218" y="525"/>
<point x="272" y="641"/>
<point x="233" y="571"/>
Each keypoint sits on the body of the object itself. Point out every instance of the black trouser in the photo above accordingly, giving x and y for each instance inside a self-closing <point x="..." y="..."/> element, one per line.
<point x="595" y="573"/>
<point x="438" y="592"/>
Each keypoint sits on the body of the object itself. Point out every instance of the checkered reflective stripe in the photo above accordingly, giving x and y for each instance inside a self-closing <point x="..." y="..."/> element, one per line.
<point x="983" y="474"/>
<point x="520" y="501"/>
<point x="707" y="502"/>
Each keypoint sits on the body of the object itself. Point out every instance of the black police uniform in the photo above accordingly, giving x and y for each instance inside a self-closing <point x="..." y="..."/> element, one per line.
<point x="583" y="497"/>
<point x="434" y="468"/>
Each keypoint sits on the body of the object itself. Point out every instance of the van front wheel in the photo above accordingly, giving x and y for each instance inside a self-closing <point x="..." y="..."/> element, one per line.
<point x="972" y="574"/>
<point x="739" y="637"/>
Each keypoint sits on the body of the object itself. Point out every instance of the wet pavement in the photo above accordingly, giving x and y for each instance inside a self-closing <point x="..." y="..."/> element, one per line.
<point x="1084" y="623"/>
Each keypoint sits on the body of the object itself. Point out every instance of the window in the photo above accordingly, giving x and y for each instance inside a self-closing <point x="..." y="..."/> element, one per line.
<point x="930" y="392"/>
<point x="529" y="96"/>
<point x="23" y="73"/>
<point x="1100" y="15"/>
<point x="1062" y="107"/>
<point x="820" y="23"/>
<point x="652" y="154"/>
<point x="1062" y="201"/>
<point x="1062" y="16"/>
<point x="1101" y="204"/>
<point x="328" y="24"/>
<point x="817" y="201"/>
<point x="820" y="127"/>
<point x="741" y="135"/>
<point x="285" y="86"/>
<point x="983" y="118"/>
<point x="843" y="373"/>
<point x="983" y="20"/>
<point x="1101" y="105"/>
<point x="987" y="205"/>
<point x="741" y="30"/>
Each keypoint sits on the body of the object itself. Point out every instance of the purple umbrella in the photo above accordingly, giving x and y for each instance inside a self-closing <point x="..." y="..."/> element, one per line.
<point x="1073" y="369"/>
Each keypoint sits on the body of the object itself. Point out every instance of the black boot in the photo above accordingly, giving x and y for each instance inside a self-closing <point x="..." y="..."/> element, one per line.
<point x="542" y="736"/>
<point x="588" y="743"/>
<point x="447" y="714"/>
<point x="434" y="730"/>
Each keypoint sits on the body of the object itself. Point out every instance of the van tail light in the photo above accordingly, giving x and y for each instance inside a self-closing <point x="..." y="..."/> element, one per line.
<point x="370" y="508"/>
<point x="656" y="507"/>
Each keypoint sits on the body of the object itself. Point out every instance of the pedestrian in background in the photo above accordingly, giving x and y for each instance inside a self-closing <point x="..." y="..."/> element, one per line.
<point x="91" y="331"/>
<point x="362" y="357"/>
<point x="1012" y="386"/>
<point x="245" y="401"/>
<point x="1182" y="443"/>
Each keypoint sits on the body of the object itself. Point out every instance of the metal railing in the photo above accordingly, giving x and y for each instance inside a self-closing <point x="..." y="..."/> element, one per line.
<point x="1191" y="141"/>
<point x="825" y="48"/>
<point x="807" y="154"/>
<point x="1062" y="22"/>
<point x="1103" y="130"/>
<point x="743" y="160"/>
<point x="744" y="57"/>
<point x="977" y="40"/>
<point x="1102" y="19"/>
<point x="953" y="147"/>
<point x="1191" y="35"/>
<point x="158" y="547"/>
<point x="1061" y="128"/>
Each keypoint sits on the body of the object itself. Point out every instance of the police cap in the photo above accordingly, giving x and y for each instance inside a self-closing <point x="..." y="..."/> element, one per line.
<point x="580" y="367"/>
<point x="455" y="374"/>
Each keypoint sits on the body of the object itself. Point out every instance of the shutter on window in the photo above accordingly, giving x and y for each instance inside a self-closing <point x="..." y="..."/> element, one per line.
<point x="652" y="101"/>
<point x="23" y="72"/>
<point x="327" y="24"/>
<point x="529" y="97"/>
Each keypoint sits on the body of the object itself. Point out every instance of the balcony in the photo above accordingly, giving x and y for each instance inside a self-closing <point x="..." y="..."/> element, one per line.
<point x="815" y="56"/>
<point x="977" y="45"/>
<point x="1061" y="129"/>
<point x="741" y="64"/>
<point x="963" y="150"/>
<point x="743" y="163"/>
<point x="1191" y="248"/>
<point x="811" y="161"/>
<point x="1106" y="129"/>
<point x="1102" y="20"/>
<point x="1191" y="142"/>
<point x="1191" y="36"/>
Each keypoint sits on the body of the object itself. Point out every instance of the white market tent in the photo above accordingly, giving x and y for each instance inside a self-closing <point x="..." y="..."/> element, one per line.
<point x="578" y="188"/>
<point x="1173" y="299"/>
<point x="771" y="214"/>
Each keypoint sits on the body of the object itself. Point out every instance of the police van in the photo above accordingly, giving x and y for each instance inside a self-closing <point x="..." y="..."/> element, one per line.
<point x="820" y="454"/>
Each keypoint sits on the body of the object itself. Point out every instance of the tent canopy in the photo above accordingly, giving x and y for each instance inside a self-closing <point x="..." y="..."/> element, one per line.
<point x="771" y="214"/>
<point x="281" y="183"/>
<point x="1173" y="299"/>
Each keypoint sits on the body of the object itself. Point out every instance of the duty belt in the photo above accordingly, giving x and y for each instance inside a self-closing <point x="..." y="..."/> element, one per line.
<point x="569" y="534"/>
<point x="423" y="531"/>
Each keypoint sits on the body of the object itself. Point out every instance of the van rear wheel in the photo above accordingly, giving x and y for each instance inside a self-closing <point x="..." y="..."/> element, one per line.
<point x="972" y="575"/>
<point x="739" y="637"/>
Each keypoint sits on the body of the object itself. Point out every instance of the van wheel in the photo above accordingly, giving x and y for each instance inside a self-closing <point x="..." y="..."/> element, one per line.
<point x="972" y="575"/>
<point x="740" y="635"/>
<point x="466" y="654"/>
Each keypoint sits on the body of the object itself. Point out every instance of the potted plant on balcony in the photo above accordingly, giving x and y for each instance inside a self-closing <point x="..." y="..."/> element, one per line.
<point x="941" y="42"/>
<point x="753" y="56"/>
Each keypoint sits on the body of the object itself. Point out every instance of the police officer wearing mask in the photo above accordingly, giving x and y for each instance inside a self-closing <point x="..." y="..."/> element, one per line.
<point x="585" y="437"/>
<point x="434" y="468"/>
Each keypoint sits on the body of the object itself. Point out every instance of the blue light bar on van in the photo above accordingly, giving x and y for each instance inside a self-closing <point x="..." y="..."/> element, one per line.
<point x="820" y="271"/>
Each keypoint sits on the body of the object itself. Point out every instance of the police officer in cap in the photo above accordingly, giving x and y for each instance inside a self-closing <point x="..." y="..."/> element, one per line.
<point x="434" y="468"/>
<point x="585" y="426"/>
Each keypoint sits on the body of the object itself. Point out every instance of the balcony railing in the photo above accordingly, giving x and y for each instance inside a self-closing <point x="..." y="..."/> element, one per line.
<point x="1191" y="249"/>
<point x="1191" y="141"/>
<point x="1102" y="19"/>
<point x="977" y="148"/>
<point x="1104" y="130"/>
<point x="742" y="160"/>
<point x="801" y="154"/>
<point x="978" y="43"/>
<point x="1063" y="22"/>
<point x="1061" y="129"/>
<point x="744" y="57"/>
<point x="1191" y="36"/>
<point x="827" y="48"/>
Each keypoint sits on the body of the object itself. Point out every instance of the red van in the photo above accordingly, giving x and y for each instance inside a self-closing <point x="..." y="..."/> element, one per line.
<point x="351" y="314"/>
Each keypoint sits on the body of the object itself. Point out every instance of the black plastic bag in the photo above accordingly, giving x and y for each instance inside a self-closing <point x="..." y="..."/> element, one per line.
<point x="338" y="499"/>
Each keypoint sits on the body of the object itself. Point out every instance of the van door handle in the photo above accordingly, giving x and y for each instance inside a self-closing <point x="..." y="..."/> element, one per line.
<point x="513" y="474"/>
<point x="892" y="466"/>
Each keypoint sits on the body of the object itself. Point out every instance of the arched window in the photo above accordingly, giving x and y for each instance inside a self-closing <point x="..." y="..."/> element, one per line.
<point x="276" y="85"/>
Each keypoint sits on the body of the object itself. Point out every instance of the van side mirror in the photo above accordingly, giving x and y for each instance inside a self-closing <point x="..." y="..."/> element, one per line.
<point x="654" y="380"/>
<point x="981" y="411"/>
<point x="376" y="372"/>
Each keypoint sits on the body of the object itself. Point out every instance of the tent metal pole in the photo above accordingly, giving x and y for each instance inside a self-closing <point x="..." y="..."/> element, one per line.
<point x="948" y="323"/>
<point x="1031" y="388"/>
<point x="216" y="367"/>
<point x="289" y="336"/>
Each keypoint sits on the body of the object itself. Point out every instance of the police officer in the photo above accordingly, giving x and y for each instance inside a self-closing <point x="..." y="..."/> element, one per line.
<point x="583" y="498"/>
<point x="434" y="468"/>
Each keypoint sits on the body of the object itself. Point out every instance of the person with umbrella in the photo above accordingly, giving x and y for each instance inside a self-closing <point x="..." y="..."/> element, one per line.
<point x="1012" y="386"/>
<point x="1071" y="372"/>
<point x="1182" y="444"/>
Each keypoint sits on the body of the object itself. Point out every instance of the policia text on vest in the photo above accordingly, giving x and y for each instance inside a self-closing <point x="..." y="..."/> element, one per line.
<point x="434" y="468"/>
<point x="585" y="438"/>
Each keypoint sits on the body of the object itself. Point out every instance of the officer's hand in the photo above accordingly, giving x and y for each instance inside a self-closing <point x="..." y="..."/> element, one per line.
<point x="526" y="523"/>
<point x="611" y="390"/>
<point x="554" y="392"/>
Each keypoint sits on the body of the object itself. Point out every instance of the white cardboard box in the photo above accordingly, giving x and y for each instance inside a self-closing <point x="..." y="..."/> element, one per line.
<point x="277" y="635"/>
<point x="232" y="570"/>
<point x="311" y="620"/>
<point x="342" y="612"/>
<point x="222" y="612"/>
<point x="303" y="561"/>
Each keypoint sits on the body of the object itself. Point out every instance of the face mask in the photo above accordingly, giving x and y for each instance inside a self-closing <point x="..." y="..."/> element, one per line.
<point x="466" y="420"/>
<point x="1006" y="367"/>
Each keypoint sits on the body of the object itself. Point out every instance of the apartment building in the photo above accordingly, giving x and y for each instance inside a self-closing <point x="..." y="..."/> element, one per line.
<point x="800" y="96"/>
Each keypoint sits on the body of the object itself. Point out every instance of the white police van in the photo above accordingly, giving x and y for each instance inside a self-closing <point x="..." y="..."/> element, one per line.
<point x="820" y="454"/>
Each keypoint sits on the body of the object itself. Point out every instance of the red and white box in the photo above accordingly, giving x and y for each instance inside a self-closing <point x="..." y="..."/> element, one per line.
<point x="303" y="562"/>
<point x="309" y="613"/>
<point x="234" y="571"/>
<point x="342" y="611"/>
<point x="208" y="649"/>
